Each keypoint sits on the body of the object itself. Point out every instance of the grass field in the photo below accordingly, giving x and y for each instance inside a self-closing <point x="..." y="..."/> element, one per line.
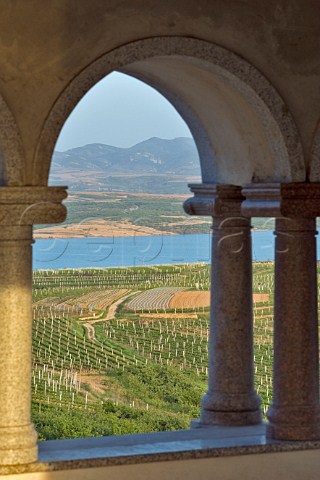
<point x="117" y="350"/>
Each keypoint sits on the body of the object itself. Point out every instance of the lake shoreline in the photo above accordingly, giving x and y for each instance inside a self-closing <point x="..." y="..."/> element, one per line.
<point x="136" y="250"/>
<point x="122" y="230"/>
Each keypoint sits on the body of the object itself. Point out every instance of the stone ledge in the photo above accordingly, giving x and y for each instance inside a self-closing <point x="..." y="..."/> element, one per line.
<point x="210" y="442"/>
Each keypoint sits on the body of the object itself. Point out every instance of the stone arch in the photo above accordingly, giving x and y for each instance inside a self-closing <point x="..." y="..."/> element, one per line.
<point x="242" y="128"/>
<point x="11" y="151"/>
<point x="314" y="171"/>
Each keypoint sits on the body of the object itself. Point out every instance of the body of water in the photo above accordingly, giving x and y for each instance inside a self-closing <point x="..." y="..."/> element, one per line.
<point x="134" y="251"/>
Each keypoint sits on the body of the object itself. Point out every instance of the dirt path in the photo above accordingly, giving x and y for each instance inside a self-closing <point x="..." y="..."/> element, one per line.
<point x="91" y="331"/>
<point x="110" y="316"/>
<point x="113" y="308"/>
<point x="96" y="317"/>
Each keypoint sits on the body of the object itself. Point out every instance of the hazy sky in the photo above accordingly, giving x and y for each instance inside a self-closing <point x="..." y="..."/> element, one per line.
<point x="120" y="111"/>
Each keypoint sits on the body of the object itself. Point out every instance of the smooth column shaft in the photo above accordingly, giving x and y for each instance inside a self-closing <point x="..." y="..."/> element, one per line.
<point x="231" y="398"/>
<point x="17" y="435"/>
<point x="294" y="413"/>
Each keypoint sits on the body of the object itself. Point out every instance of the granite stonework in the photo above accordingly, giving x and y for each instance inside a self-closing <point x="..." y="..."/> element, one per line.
<point x="314" y="174"/>
<point x="11" y="149"/>
<point x="231" y="398"/>
<point x="232" y="70"/>
<point x="295" y="410"/>
<point x="20" y="207"/>
<point x="30" y="205"/>
<point x="300" y="200"/>
<point x="261" y="200"/>
<point x="260" y="140"/>
<point x="211" y="442"/>
<point x="281" y="200"/>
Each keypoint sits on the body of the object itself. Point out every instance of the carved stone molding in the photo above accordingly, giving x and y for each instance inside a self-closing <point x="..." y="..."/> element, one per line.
<point x="214" y="200"/>
<point x="286" y="200"/>
<point x="261" y="200"/>
<point x="300" y="200"/>
<point x="22" y="206"/>
<point x="275" y="132"/>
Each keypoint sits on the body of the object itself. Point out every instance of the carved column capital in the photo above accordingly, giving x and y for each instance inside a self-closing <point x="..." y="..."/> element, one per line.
<point x="281" y="200"/>
<point x="214" y="200"/>
<point x="25" y="206"/>
<point x="300" y="200"/>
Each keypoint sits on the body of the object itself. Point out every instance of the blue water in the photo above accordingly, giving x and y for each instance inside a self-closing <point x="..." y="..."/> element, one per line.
<point x="134" y="251"/>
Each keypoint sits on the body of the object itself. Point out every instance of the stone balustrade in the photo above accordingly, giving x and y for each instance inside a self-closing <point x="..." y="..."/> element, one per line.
<point x="231" y="400"/>
<point x="295" y="410"/>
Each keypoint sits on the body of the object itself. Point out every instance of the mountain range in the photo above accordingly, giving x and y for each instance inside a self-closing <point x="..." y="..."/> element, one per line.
<point x="153" y="166"/>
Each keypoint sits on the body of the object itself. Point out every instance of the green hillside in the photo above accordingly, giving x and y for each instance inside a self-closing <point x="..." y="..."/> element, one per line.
<point x="162" y="212"/>
<point x="112" y="356"/>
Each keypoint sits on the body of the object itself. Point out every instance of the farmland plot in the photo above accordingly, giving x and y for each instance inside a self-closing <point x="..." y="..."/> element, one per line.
<point x="154" y="299"/>
<point x="162" y="326"/>
<point x="195" y="299"/>
<point x="190" y="299"/>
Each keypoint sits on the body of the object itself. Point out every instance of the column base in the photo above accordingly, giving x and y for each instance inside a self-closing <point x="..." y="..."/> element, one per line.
<point x="298" y="433"/>
<point x="209" y="418"/>
<point x="230" y="409"/>
<point x="293" y="423"/>
<point x="18" y="445"/>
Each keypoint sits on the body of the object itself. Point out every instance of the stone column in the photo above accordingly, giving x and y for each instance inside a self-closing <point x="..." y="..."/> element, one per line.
<point x="231" y="398"/>
<point x="294" y="413"/>
<point x="20" y="207"/>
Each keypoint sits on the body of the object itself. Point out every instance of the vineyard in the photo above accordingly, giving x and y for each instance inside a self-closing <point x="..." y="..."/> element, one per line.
<point x="124" y="350"/>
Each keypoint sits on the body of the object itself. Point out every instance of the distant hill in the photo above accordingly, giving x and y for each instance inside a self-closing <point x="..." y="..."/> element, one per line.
<point x="104" y="167"/>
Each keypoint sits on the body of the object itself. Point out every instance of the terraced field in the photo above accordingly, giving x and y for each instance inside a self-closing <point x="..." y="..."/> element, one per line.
<point x="154" y="299"/>
<point x="190" y="299"/>
<point x="99" y="334"/>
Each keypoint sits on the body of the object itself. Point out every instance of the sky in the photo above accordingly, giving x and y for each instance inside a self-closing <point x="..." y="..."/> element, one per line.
<point x="120" y="111"/>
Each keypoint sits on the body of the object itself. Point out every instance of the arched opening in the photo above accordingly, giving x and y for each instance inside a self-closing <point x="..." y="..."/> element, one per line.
<point x="39" y="63"/>
<point x="240" y="125"/>
<point x="216" y="92"/>
<point x="98" y="369"/>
